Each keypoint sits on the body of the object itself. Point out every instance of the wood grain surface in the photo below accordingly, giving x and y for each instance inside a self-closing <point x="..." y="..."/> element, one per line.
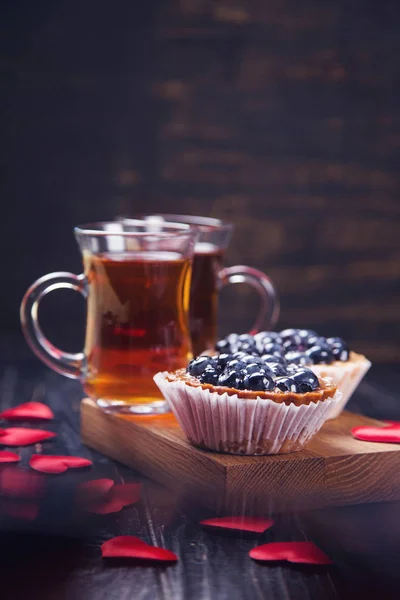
<point x="282" y="117"/>
<point x="54" y="561"/>
<point x="334" y="469"/>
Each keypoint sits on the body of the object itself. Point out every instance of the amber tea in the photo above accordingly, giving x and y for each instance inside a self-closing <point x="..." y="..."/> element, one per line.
<point x="209" y="276"/>
<point x="207" y="264"/>
<point x="137" y="323"/>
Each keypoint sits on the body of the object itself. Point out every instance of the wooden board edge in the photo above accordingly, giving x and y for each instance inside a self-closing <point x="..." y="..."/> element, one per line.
<point x="196" y="474"/>
<point x="326" y="481"/>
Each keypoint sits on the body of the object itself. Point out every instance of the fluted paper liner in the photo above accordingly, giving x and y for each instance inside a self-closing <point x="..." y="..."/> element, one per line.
<point x="346" y="376"/>
<point x="239" y="426"/>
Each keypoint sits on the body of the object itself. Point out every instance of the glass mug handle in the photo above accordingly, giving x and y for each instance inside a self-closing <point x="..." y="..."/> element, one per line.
<point x="67" y="364"/>
<point x="269" y="310"/>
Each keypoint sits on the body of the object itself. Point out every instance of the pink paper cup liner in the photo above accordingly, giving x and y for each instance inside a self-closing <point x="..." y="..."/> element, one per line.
<point x="346" y="376"/>
<point x="237" y="426"/>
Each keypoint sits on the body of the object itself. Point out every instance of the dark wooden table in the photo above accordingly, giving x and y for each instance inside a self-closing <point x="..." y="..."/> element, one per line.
<point x="58" y="555"/>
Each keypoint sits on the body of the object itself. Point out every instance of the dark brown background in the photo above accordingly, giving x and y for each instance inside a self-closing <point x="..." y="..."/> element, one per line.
<point x="280" y="116"/>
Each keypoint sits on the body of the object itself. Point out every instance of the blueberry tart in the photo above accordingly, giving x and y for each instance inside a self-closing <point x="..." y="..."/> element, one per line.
<point x="245" y="402"/>
<point x="346" y="370"/>
<point x="328" y="357"/>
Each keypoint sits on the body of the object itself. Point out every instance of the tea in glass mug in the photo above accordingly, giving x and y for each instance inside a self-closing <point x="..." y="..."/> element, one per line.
<point x="209" y="275"/>
<point x="137" y="285"/>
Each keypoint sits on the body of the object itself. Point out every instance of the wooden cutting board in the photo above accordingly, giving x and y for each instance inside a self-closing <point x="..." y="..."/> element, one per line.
<point x="334" y="469"/>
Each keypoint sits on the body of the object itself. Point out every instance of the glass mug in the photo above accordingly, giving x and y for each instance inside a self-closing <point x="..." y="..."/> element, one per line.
<point x="137" y="285"/>
<point x="209" y="276"/>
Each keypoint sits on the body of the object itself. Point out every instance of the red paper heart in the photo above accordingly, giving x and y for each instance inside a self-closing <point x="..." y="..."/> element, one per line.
<point x="8" y="457"/>
<point x="256" y="524"/>
<point x="28" y="411"/>
<point x="94" y="490"/>
<point x="118" y="497"/>
<point x="390" y="434"/>
<point x="102" y="496"/>
<point x="127" y="546"/>
<point x="57" y="464"/>
<point x="294" y="552"/>
<point x="25" y="511"/>
<point x="21" y="436"/>
<point x="17" y="483"/>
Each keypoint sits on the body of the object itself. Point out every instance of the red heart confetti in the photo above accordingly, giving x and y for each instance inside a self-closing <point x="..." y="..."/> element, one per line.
<point x="119" y="496"/>
<point x="94" y="490"/>
<point x="390" y="434"/>
<point x="103" y="496"/>
<point x="57" y="464"/>
<point x="25" y="511"/>
<point x="17" y="483"/>
<point x="28" y="411"/>
<point x="294" y="552"/>
<point x="8" y="457"/>
<point x="256" y="524"/>
<point x="21" y="436"/>
<point x="127" y="546"/>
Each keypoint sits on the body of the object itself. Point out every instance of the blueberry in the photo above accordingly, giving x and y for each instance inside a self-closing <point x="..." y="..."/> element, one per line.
<point x="257" y="368"/>
<point x="316" y="340"/>
<point x="339" y="348"/>
<point x="261" y="343"/>
<point x="239" y="355"/>
<point x="246" y="338"/>
<point x="198" y="365"/>
<point x="223" y="359"/>
<point x="265" y="344"/>
<point x="258" y="382"/>
<point x="277" y="369"/>
<point x="248" y="347"/>
<point x="271" y="358"/>
<point x="210" y="375"/>
<point x="216" y="360"/>
<point x="230" y="379"/>
<point x="260" y="347"/>
<point x="291" y="339"/>
<point x="306" y="380"/>
<point x="286" y="384"/>
<point x="273" y="348"/>
<point x="291" y="345"/>
<point x="232" y="338"/>
<point x="261" y="335"/>
<point x="333" y="341"/>
<point x="223" y="346"/>
<point x="342" y="354"/>
<point x="288" y="333"/>
<point x="298" y="358"/>
<point x="235" y="365"/>
<point x="320" y="355"/>
<point x="304" y="334"/>
<point x="250" y="358"/>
